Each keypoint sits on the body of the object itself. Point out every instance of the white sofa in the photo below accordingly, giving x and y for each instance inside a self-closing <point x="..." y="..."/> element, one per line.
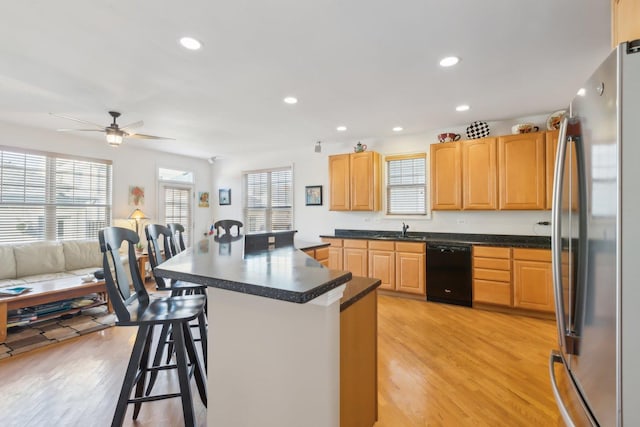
<point x="21" y="264"/>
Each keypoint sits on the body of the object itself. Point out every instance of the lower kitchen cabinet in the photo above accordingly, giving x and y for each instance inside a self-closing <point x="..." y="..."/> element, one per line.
<point x="492" y="276"/>
<point x="319" y="254"/>
<point x="382" y="263"/>
<point x="354" y="254"/>
<point x="411" y="267"/>
<point x="532" y="280"/>
<point x="334" y="258"/>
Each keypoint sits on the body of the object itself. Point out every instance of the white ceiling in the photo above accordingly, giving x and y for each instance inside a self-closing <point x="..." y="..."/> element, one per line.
<point x="367" y="64"/>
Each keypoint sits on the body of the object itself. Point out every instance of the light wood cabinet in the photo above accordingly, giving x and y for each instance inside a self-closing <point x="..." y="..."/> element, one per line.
<point x="492" y="276"/>
<point x="334" y="253"/>
<point x="532" y="280"/>
<point x="355" y="257"/>
<point x="625" y="21"/>
<point x="339" y="183"/>
<point x="411" y="267"/>
<point x="382" y="263"/>
<point x="355" y="182"/>
<point x="446" y="176"/>
<point x="319" y="254"/>
<point x="479" y="174"/>
<point x="521" y="166"/>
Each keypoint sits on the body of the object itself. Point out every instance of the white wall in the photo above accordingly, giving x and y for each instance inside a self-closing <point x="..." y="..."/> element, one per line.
<point x="311" y="168"/>
<point x="131" y="166"/>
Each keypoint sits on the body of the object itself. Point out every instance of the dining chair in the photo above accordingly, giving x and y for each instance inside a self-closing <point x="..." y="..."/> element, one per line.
<point x="136" y="308"/>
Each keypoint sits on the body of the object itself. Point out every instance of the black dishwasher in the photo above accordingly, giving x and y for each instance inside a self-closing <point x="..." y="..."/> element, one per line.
<point x="449" y="273"/>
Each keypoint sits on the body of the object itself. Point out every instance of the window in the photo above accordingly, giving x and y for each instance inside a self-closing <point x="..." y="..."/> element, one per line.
<point x="268" y="203"/>
<point x="407" y="184"/>
<point x="47" y="196"/>
<point x="176" y="199"/>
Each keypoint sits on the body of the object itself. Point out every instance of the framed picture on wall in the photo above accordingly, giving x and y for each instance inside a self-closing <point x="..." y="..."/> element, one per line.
<point x="224" y="196"/>
<point x="313" y="195"/>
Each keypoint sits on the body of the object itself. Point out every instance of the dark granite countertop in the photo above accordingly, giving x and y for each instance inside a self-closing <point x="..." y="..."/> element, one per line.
<point x="357" y="288"/>
<point x="542" y="242"/>
<point x="303" y="244"/>
<point x="285" y="274"/>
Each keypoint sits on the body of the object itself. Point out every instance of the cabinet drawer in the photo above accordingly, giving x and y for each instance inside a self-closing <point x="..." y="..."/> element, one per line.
<point x="336" y="243"/>
<point x="490" y="292"/>
<point x="492" y="263"/>
<point x="381" y="245"/>
<point x="497" y="275"/>
<point x="322" y="253"/>
<point x="491" y="252"/>
<point x="356" y="244"/>
<point x="532" y="254"/>
<point x="414" y="247"/>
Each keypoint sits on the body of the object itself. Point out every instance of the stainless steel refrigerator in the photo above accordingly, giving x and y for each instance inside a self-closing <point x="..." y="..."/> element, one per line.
<point x="595" y="373"/>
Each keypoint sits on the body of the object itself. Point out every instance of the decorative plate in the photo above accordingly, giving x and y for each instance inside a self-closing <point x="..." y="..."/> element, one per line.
<point x="477" y="130"/>
<point x="553" y="122"/>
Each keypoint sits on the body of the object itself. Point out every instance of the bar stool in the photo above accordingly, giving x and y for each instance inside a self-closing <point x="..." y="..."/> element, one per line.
<point x="227" y="225"/>
<point x="177" y="230"/>
<point x="137" y="309"/>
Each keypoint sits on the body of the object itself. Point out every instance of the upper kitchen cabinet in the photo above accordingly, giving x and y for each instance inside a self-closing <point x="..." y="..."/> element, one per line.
<point x="625" y="21"/>
<point x="479" y="174"/>
<point x="354" y="182"/>
<point x="521" y="168"/>
<point x="446" y="176"/>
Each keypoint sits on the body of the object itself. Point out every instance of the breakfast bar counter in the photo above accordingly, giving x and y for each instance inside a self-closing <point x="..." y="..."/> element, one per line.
<point x="274" y="333"/>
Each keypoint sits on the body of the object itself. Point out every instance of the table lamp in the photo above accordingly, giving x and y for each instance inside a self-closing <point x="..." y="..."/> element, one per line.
<point x="137" y="214"/>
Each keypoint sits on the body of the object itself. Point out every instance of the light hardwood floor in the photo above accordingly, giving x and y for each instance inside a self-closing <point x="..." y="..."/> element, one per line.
<point x="438" y="365"/>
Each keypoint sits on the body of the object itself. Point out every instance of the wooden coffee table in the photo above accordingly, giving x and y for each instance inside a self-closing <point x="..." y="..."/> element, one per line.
<point x="51" y="291"/>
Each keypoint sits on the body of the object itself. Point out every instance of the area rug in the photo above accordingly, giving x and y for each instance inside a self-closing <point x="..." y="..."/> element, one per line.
<point x="40" y="334"/>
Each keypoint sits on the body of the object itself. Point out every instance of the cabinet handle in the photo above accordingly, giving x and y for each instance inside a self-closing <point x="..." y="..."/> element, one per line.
<point x="448" y="291"/>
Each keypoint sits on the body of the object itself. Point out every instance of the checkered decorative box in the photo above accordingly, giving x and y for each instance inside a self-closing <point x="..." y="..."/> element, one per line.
<point x="477" y="130"/>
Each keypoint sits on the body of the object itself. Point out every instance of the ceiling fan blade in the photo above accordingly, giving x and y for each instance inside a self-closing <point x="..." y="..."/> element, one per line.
<point x="80" y="130"/>
<point x="101" y="127"/>
<point x="132" y="125"/>
<point x="143" y="136"/>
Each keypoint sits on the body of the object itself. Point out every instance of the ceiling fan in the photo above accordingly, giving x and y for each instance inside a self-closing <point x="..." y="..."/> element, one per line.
<point x="115" y="133"/>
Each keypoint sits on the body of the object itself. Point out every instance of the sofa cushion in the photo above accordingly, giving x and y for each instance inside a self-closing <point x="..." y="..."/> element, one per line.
<point x="8" y="264"/>
<point x="38" y="258"/>
<point x="47" y="277"/>
<point x="80" y="254"/>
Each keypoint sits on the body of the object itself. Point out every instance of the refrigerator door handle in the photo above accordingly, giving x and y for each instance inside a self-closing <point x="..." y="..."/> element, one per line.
<point x="556" y="236"/>
<point x="554" y="358"/>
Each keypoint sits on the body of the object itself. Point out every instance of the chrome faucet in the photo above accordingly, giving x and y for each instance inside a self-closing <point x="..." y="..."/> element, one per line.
<point x="405" y="227"/>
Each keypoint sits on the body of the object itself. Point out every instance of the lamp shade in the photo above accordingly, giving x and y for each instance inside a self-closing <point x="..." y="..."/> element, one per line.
<point x="137" y="214"/>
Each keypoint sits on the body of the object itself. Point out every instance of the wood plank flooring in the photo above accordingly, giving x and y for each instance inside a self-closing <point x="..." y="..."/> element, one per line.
<point x="439" y="365"/>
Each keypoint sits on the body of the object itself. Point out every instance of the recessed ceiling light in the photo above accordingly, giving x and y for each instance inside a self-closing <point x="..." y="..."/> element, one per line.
<point x="341" y="128"/>
<point x="397" y="129"/>
<point x="462" y="108"/>
<point x="449" y="61"/>
<point x="190" y="43"/>
<point x="582" y="91"/>
<point x="291" y="100"/>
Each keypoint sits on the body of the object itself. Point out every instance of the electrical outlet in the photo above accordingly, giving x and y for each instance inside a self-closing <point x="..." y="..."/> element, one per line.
<point x="461" y="221"/>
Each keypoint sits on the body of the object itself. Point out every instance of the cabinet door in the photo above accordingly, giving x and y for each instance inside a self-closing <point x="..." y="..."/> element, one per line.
<point x="410" y="273"/>
<point x="365" y="181"/>
<point x="334" y="261"/>
<point x="521" y="161"/>
<point x="339" y="183"/>
<point x="625" y="21"/>
<point x="533" y="286"/>
<point x="355" y="261"/>
<point x="479" y="174"/>
<point x="446" y="176"/>
<point x="382" y="266"/>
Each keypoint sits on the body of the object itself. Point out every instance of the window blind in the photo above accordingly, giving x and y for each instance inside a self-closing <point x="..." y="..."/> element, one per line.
<point x="46" y="196"/>
<point x="177" y="208"/>
<point x="406" y="185"/>
<point x="268" y="200"/>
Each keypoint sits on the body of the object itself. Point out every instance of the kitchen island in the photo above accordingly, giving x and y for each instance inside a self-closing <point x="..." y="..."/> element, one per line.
<point x="274" y="333"/>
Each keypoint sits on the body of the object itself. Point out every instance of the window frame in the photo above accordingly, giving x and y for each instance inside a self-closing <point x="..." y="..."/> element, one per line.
<point x="50" y="206"/>
<point x="407" y="156"/>
<point x="269" y="208"/>
<point x="178" y="185"/>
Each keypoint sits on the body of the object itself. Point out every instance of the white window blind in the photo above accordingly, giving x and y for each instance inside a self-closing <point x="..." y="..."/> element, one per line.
<point x="177" y="208"/>
<point x="268" y="200"/>
<point x="46" y="196"/>
<point x="406" y="184"/>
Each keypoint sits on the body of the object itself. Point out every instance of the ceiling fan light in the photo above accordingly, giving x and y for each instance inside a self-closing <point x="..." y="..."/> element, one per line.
<point x="114" y="139"/>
